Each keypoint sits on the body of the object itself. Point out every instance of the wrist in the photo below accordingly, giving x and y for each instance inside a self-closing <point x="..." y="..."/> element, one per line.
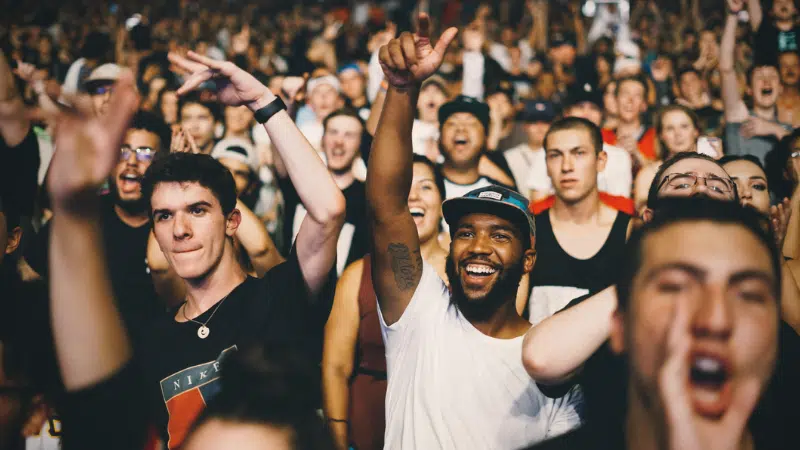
<point x="262" y="101"/>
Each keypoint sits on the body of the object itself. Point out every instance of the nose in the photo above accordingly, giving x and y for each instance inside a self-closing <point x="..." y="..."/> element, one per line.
<point x="181" y="229"/>
<point x="480" y="245"/>
<point x="567" y="164"/>
<point x="713" y="315"/>
<point x="745" y="193"/>
<point x="413" y="194"/>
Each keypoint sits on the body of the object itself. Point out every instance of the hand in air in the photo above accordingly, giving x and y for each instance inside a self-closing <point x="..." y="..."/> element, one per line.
<point x="411" y="58"/>
<point x="234" y="86"/>
<point x="182" y="142"/>
<point x="686" y="429"/>
<point x="88" y="145"/>
<point x="779" y="216"/>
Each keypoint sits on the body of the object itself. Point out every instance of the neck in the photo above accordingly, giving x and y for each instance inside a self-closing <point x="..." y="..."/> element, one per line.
<point x="133" y="220"/>
<point x="767" y="113"/>
<point x="586" y="210"/>
<point x="244" y="134"/>
<point x="206" y="149"/>
<point x="430" y="248"/>
<point x="343" y="179"/>
<point x="205" y="292"/>
<point x="634" y="125"/>
<point x="359" y="102"/>
<point x="460" y="175"/>
<point x="505" y="323"/>
<point x="535" y="145"/>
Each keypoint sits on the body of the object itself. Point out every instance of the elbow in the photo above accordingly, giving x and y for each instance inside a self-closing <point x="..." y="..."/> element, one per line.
<point x="537" y="363"/>
<point x="334" y="214"/>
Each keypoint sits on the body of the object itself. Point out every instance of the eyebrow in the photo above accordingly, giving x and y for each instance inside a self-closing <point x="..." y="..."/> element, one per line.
<point x="192" y="205"/>
<point x="700" y="274"/>
<point x="565" y="150"/>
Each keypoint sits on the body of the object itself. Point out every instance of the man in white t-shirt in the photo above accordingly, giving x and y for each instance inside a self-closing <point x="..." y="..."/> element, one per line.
<point x="455" y="375"/>
<point x="617" y="177"/>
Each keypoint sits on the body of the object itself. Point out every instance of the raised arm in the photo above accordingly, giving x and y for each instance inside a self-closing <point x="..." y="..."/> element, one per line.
<point x="555" y="349"/>
<point x="90" y="340"/>
<point x="756" y="13"/>
<point x="397" y="261"/>
<point x="316" y="241"/>
<point x="14" y="123"/>
<point x="735" y="109"/>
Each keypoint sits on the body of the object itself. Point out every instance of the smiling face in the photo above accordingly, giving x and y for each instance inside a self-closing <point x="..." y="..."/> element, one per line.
<point x="190" y="228"/>
<point x="765" y="86"/>
<point x="462" y="139"/>
<point x="729" y="293"/>
<point x="425" y="202"/>
<point x="341" y="142"/>
<point x="678" y="132"/>
<point x="486" y="262"/>
<point x="573" y="164"/>
<point x="783" y="9"/>
<point x="631" y="101"/>
<point x="127" y="175"/>
<point x="199" y="122"/>
<point x="751" y="182"/>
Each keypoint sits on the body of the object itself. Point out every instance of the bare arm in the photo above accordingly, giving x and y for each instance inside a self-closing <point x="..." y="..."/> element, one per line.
<point x="338" y="354"/>
<point x="256" y="241"/>
<point x="168" y="285"/>
<point x="90" y="340"/>
<point x="756" y="13"/>
<point x="397" y="261"/>
<point x="316" y="240"/>
<point x="14" y="124"/>
<point x="735" y="109"/>
<point x="555" y="349"/>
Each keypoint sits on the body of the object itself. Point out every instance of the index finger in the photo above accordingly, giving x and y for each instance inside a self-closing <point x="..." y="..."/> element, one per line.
<point x="212" y="63"/>
<point x="424" y="26"/>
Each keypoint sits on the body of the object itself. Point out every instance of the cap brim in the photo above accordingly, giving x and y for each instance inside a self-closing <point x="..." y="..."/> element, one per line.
<point x="456" y="208"/>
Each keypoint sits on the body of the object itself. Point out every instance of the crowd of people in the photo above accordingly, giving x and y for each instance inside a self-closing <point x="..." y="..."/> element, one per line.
<point x="403" y="225"/>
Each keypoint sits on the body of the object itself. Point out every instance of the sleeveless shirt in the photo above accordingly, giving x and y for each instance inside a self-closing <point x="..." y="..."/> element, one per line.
<point x="559" y="277"/>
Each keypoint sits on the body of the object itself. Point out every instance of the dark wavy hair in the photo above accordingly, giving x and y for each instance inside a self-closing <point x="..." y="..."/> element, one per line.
<point x="153" y="123"/>
<point x="189" y="167"/>
<point x="776" y="166"/>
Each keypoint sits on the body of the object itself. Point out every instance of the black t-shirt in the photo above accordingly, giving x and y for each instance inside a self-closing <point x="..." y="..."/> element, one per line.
<point x="770" y="42"/>
<point x="183" y="371"/>
<point x="19" y="172"/>
<point x="354" y="230"/>
<point x="126" y="259"/>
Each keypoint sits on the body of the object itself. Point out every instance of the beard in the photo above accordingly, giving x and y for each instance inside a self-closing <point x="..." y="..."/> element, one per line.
<point x="138" y="206"/>
<point x="482" y="308"/>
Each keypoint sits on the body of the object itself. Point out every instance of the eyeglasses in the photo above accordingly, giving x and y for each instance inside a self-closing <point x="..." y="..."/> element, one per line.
<point x="143" y="154"/>
<point x="100" y="90"/>
<point x="795" y="154"/>
<point x="683" y="182"/>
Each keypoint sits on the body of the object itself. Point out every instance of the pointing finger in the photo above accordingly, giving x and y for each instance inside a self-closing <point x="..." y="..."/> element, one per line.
<point x="212" y="63"/>
<point x="184" y="63"/>
<point x="194" y="81"/>
<point x="445" y="39"/>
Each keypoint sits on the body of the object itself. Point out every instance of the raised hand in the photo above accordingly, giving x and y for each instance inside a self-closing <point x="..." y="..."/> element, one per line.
<point x="88" y="146"/>
<point x="735" y="6"/>
<point x="411" y="58"/>
<point x="234" y="86"/>
<point x="686" y="430"/>
<point x="779" y="218"/>
<point x="182" y="142"/>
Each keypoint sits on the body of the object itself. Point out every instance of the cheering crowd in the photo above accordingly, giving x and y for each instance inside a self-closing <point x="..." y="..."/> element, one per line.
<point x="405" y="225"/>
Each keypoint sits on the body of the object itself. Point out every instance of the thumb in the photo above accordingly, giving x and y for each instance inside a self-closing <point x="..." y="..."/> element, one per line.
<point x="742" y="406"/>
<point x="445" y="39"/>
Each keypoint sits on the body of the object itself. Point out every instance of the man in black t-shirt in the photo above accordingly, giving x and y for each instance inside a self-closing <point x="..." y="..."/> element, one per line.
<point x="697" y="320"/>
<point x="776" y="33"/>
<point x="125" y="225"/>
<point x="192" y="203"/>
<point x="341" y="145"/>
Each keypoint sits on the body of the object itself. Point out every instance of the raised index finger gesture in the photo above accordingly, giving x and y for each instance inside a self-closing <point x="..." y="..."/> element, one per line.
<point x="411" y="58"/>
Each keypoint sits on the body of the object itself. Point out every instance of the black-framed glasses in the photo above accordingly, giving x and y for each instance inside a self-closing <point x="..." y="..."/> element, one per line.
<point x="143" y="154"/>
<point x="683" y="182"/>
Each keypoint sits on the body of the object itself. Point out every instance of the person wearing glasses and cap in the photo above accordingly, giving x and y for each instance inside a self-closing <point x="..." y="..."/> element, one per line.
<point x="125" y="224"/>
<point x="461" y="343"/>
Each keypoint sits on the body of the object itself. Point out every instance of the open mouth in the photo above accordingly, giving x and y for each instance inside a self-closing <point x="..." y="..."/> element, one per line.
<point x="461" y="141"/>
<point x="129" y="182"/>
<point x="766" y="91"/>
<point x="709" y="378"/>
<point x="478" y="270"/>
<point x="417" y="212"/>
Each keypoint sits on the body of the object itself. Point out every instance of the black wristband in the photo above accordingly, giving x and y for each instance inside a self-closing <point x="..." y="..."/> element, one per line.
<point x="266" y="113"/>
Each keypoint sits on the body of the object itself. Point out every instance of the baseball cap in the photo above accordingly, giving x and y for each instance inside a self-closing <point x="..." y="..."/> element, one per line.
<point x="348" y="67"/>
<point x="438" y="81"/>
<point x="237" y="149"/>
<point x="583" y="94"/>
<point x="319" y="81"/>
<point x="103" y="74"/>
<point x="466" y="104"/>
<point x="495" y="200"/>
<point x="537" y="111"/>
<point x="559" y="38"/>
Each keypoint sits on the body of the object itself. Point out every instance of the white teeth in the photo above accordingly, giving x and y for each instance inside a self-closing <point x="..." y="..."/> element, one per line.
<point x="416" y="211"/>
<point x="480" y="269"/>
<point x="707" y="364"/>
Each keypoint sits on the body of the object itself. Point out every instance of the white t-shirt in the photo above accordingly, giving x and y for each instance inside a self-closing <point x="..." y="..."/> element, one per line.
<point x="453" y="387"/>
<point x="473" y="68"/>
<point x="616" y="179"/>
<point x="421" y="134"/>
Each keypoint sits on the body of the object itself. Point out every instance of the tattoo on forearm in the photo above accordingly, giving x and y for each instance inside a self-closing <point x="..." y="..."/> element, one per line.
<point x="406" y="271"/>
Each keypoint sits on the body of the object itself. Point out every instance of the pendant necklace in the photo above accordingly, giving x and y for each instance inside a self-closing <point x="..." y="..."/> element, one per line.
<point x="203" y="331"/>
